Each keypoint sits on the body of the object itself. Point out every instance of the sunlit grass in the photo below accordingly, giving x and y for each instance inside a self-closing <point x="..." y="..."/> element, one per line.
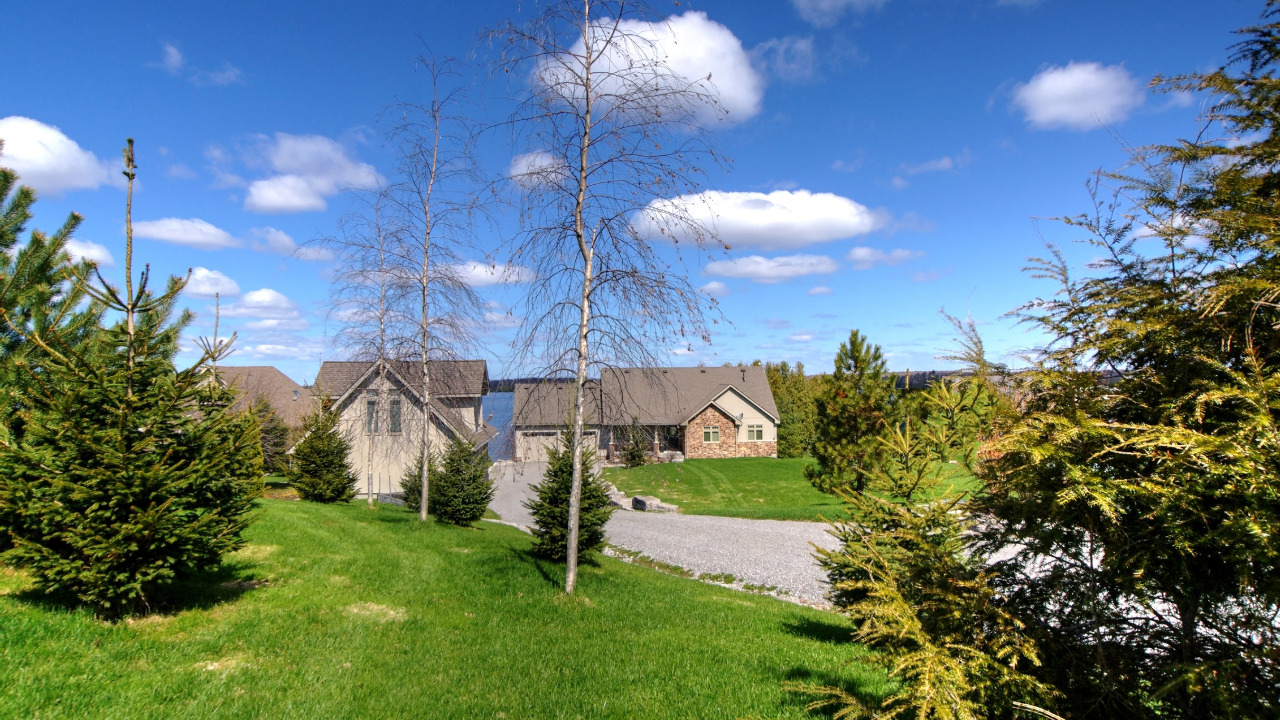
<point x="342" y="611"/>
<point x="769" y="488"/>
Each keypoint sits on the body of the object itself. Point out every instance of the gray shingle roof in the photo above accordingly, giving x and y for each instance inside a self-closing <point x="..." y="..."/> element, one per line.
<point x="291" y="401"/>
<point x="658" y="396"/>
<point x="449" y="378"/>
<point x="547" y="403"/>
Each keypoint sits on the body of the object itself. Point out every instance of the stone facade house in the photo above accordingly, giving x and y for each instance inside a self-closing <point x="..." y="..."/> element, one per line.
<point x="720" y="412"/>
<point x="381" y="412"/>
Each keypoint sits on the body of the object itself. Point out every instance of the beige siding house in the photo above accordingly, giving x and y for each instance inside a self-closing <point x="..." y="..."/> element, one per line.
<point x="382" y="414"/>
<point x="718" y="412"/>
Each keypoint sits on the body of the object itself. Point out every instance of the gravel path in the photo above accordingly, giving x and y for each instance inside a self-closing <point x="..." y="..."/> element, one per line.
<point x="767" y="553"/>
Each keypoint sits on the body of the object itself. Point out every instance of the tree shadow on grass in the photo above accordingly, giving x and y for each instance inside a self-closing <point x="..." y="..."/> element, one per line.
<point x="545" y="567"/>
<point x="870" y="691"/>
<point x="200" y="591"/>
<point x="835" y="633"/>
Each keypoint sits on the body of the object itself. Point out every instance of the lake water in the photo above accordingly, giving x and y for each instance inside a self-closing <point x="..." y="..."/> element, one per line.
<point x="498" y="408"/>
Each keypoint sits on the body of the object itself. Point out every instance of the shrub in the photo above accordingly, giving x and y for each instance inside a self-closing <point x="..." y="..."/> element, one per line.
<point x="460" y="492"/>
<point x="550" y="508"/>
<point x="320" y="471"/>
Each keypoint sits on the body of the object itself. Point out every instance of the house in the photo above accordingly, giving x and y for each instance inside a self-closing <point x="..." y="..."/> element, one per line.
<point x="702" y="412"/>
<point x="291" y="401"/>
<point x="380" y="411"/>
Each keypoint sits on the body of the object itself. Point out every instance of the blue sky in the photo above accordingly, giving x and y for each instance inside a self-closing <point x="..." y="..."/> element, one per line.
<point x="890" y="157"/>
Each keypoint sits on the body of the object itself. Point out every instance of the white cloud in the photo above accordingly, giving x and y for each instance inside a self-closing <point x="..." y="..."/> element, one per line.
<point x="780" y="220"/>
<point x="773" y="270"/>
<point x="824" y="13"/>
<point x="85" y="250"/>
<point x="173" y="60"/>
<point x="48" y="160"/>
<point x="192" y="232"/>
<point x="715" y="288"/>
<point x="178" y="171"/>
<point x="206" y="283"/>
<point x="308" y="169"/>
<point x="946" y="162"/>
<point x="228" y="75"/>
<point x="1079" y="96"/>
<point x="865" y="258"/>
<point x="264" y="304"/>
<point x="279" y="242"/>
<point x="820" y="290"/>
<point x="800" y="337"/>
<point x="496" y="320"/>
<point x="478" y="274"/>
<point x="694" y="48"/>
<point x="788" y="58"/>
<point x="929" y="275"/>
<point x="537" y="168"/>
<point x="292" y="352"/>
<point x="279" y="324"/>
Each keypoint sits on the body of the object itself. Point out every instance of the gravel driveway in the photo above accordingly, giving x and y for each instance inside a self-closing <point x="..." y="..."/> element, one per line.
<point x="768" y="553"/>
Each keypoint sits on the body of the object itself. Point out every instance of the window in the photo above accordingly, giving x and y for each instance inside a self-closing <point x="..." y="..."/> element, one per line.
<point x="371" y="415"/>
<point x="755" y="432"/>
<point x="393" y="416"/>
<point x="711" y="434"/>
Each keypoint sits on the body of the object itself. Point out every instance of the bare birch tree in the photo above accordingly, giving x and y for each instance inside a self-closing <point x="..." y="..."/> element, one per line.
<point x="608" y="136"/>
<point x="437" y="174"/>
<point x="368" y="293"/>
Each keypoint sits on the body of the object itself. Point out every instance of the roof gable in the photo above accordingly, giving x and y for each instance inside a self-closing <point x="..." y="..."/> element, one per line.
<point x="715" y="400"/>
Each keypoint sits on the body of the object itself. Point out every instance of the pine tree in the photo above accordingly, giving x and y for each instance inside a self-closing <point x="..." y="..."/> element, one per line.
<point x="855" y="406"/>
<point x="1139" y="485"/>
<point x="907" y="574"/>
<point x="550" y="507"/>
<point x="462" y="490"/>
<point x="275" y="436"/>
<point x="129" y="474"/>
<point x="321" y="471"/>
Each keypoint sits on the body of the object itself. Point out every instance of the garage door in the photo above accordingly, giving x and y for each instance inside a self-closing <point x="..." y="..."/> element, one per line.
<point x="531" y="445"/>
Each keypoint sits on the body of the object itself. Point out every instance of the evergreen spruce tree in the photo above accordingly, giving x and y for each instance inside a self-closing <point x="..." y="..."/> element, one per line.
<point x="128" y="474"/>
<point x="321" y="471"/>
<point x="461" y="490"/>
<point x="550" y="507"/>
<point x="275" y="436"/>
<point x="37" y="295"/>
<point x="855" y="406"/>
<point x="411" y="484"/>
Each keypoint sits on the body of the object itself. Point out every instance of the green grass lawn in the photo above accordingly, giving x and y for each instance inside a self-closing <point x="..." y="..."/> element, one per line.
<point x="346" y="612"/>
<point x="770" y="488"/>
